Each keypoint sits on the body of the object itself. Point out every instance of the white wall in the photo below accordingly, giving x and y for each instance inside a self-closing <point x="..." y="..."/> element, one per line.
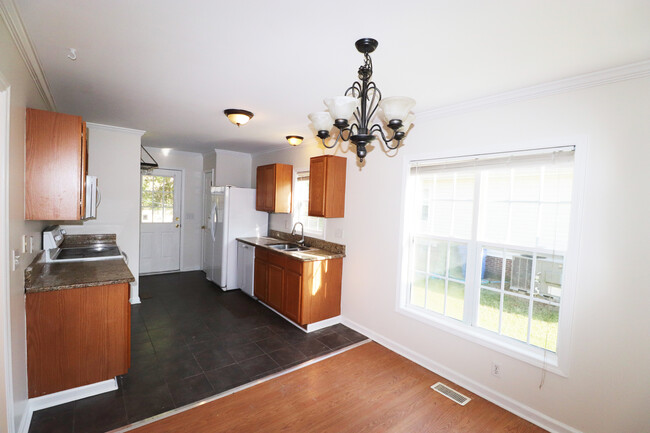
<point x="191" y="164"/>
<point x="298" y="156"/>
<point x="233" y="168"/>
<point x="114" y="157"/>
<point x="608" y="387"/>
<point x="23" y="94"/>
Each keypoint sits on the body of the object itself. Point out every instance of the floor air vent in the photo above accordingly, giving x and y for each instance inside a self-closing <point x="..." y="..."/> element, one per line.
<point x="451" y="394"/>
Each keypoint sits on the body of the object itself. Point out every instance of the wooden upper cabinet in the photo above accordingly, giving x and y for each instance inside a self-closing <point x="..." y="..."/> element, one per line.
<point x="327" y="186"/>
<point x="274" y="188"/>
<point x="56" y="165"/>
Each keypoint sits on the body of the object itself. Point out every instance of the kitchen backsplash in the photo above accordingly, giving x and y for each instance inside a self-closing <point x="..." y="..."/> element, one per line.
<point x="309" y="241"/>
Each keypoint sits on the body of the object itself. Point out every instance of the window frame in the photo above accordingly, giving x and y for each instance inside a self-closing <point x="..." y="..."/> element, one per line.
<point x="558" y="362"/>
<point x="294" y="212"/>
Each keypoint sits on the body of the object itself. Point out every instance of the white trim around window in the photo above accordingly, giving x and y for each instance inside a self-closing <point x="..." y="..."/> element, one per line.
<point x="301" y="203"/>
<point x="558" y="362"/>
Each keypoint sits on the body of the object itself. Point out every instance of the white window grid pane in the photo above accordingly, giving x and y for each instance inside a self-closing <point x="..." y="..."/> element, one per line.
<point x="428" y="273"/>
<point x="545" y="194"/>
<point x="504" y="219"/>
<point x="504" y="252"/>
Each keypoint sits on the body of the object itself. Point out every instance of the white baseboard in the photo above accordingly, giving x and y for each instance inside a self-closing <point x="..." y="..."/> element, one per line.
<point x="61" y="397"/>
<point x="191" y="268"/>
<point x="135" y="300"/>
<point x="311" y="327"/>
<point x="323" y="324"/>
<point x="507" y="403"/>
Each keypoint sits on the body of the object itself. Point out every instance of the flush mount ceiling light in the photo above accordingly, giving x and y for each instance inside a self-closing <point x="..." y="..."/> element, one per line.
<point x="238" y="117"/>
<point x="363" y="99"/>
<point x="294" y="140"/>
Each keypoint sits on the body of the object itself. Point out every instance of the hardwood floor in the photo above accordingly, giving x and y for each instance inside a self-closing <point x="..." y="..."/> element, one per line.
<point x="366" y="389"/>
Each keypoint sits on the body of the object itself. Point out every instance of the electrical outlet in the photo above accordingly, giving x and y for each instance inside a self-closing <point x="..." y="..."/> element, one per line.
<point x="496" y="369"/>
<point x="31" y="244"/>
<point x="24" y="244"/>
<point x="286" y="225"/>
<point x="338" y="233"/>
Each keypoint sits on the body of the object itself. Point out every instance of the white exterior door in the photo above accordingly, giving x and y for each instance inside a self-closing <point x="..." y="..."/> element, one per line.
<point x="160" y="222"/>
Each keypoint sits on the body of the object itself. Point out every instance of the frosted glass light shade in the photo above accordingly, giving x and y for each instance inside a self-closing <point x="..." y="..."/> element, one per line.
<point x="397" y="107"/>
<point x="406" y="123"/>
<point x="341" y="107"/>
<point x="321" y="120"/>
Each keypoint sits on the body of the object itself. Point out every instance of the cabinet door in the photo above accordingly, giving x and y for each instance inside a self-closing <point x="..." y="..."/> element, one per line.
<point x="317" y="170"/>
<point x="269" y="187"/>
<point x="76" y="337"/>
<point x="260" y="189"/>
<point x="53" y="166"/>
<point x="292" y="295"/>
<point x="275" y="286"/>
<point x="261" y="274"/>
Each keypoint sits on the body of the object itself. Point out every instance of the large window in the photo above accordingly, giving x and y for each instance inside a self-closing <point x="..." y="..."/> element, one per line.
<point x="314" y="226"/>
<point x="487" y="238"/>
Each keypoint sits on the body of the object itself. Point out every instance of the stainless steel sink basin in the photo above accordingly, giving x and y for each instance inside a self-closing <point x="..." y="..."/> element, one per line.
<point x="289" y="247"/>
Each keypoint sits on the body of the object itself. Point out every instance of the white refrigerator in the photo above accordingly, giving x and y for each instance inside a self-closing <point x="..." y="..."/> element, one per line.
<point x="232" y="216"/>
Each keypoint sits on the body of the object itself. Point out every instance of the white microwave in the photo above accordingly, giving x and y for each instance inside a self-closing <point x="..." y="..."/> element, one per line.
<point x="93" y="197"/>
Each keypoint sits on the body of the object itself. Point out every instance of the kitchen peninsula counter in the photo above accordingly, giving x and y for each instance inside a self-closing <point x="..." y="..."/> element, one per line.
<point x="45" y="277"/>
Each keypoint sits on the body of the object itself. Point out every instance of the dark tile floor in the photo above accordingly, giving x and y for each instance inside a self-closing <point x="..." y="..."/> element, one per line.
<point x="190" y="340"/>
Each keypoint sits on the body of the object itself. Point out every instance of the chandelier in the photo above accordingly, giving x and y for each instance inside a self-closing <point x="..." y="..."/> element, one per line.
<point x="363" y="100"/>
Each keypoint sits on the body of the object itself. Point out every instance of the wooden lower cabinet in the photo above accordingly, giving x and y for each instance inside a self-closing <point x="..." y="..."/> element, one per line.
<point x="77" y="337"/>
<point x="260" y="285"/>
<point x="292" y="298"/>
<point x="305" y="292"/>
<point x="275" y="283"/>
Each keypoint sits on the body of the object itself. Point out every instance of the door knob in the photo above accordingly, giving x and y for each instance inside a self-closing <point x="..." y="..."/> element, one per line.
<point x="202" y="227"/>
<point x="178" y="225"/>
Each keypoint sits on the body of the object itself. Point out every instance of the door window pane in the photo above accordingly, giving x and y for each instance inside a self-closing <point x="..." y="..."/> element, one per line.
<point x="157" y="199"/>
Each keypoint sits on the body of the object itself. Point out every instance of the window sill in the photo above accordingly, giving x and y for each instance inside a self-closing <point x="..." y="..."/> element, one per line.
<point x="537" y="357"/>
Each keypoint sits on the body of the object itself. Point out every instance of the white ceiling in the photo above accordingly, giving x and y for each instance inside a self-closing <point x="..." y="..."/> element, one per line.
<point x="171" y="67"/>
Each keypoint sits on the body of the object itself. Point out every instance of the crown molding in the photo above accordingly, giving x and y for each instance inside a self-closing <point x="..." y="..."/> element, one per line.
<point x="138" y="132"/>
<point x="11" y="17"/>
<point x="593" y="79"/>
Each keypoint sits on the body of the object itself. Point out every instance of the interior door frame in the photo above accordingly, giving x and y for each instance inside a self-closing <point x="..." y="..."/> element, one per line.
<point x="5" y="282"/>
<point x="181" y="210"/>
<point x="203" y="209"/>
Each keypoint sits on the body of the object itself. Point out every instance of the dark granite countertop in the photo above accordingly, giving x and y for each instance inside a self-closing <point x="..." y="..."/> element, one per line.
<point x="306" y="256"/>
<point x="45" y="277"/>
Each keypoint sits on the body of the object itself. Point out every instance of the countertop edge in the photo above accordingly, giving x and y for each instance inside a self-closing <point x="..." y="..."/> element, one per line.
<point x="78" y="286"/>
<point x="326" y="255"/>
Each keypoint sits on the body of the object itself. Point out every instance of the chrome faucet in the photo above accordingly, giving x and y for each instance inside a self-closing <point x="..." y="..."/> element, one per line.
<point x="302" y="232"/>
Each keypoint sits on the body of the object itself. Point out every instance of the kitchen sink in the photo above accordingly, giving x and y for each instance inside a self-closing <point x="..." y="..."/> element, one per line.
<point x="289" y="247"/>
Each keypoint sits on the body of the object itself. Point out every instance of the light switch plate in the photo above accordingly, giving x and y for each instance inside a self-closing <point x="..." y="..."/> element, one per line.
<point x="25" y="246"/>
<point x="15" y="259"/>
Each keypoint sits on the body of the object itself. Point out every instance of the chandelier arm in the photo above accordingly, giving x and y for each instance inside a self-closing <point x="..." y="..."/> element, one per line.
<point x="375" y="91"/>
<point x="386" y="141"/>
